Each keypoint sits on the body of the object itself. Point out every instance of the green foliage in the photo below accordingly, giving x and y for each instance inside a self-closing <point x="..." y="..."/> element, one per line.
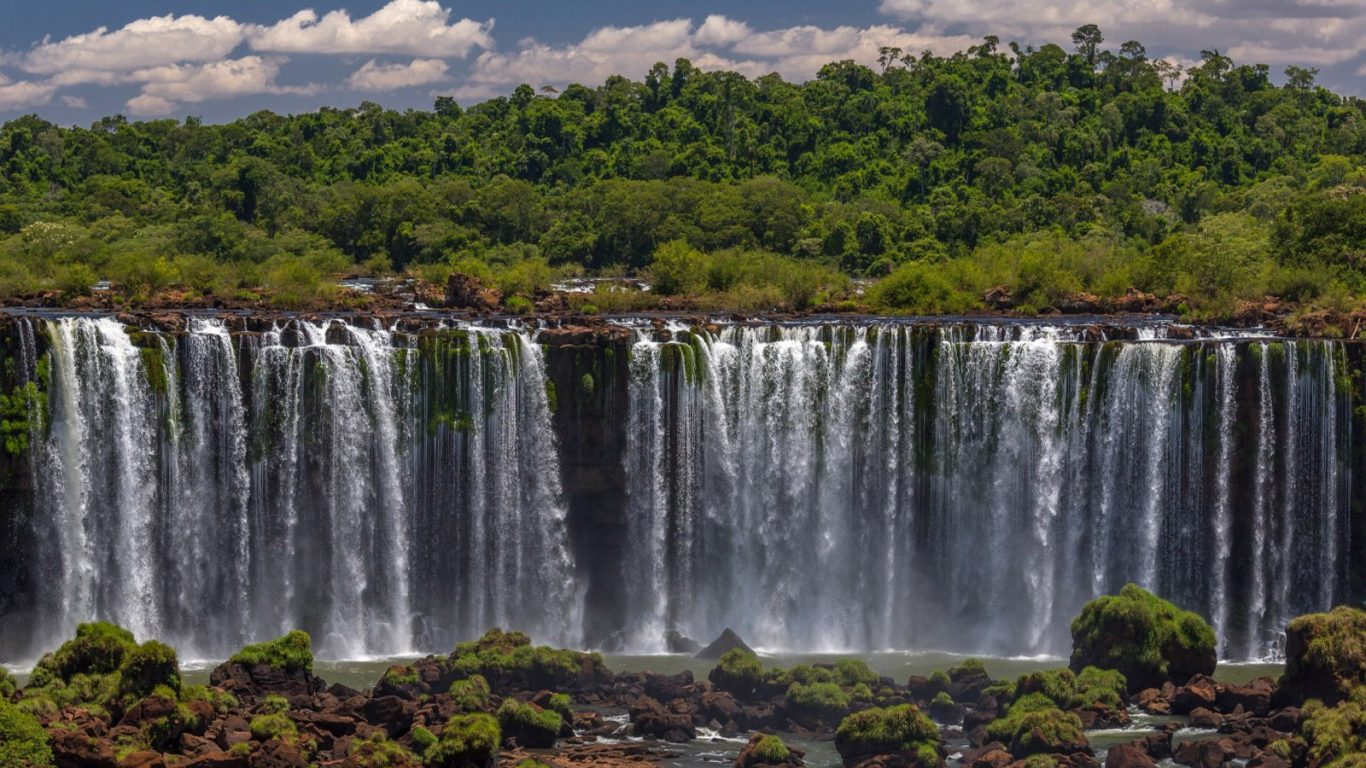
<point x="98" y="648"/>
<point x="467" y="741"/>
<point x="738" y="671"/>
<point x="220" y="700"/>
<point x="561" y="704"/>
<point x="17" y="413"/>
<point x="508" y="660"/>
<point x="23" y="743"/>
<point x="771" y="750"/>
<point x="422" y="740"/>
<point x="902" y="729"/>
<point x="1067" y="690"/>
<point x="147" y="667"/>
<point x="272" y="725"/>
<point x="470" y="694"/>
<point x="292" y="652"/>
<point x="851" y="672"/>
<point x="530" y="725"/>
<point x="275" y="704"/>
<point x="1145" y="638"/>
<point x="1326" y="653"/>
<point x="1334" y="733"/>
<point x="8" y="685"/>
<point x="821" y="700"/>
<point x="377" y="751"/>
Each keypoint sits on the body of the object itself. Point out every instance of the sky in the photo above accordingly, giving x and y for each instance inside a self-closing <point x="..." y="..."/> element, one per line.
<point x="74" y="61"/>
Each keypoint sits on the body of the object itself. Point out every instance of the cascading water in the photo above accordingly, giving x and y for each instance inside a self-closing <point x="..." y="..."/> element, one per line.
<point x="836" y="487"/>
<point x="386" y="491"/>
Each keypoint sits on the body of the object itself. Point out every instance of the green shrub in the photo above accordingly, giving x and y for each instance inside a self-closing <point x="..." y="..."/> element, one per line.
<point x="851" y="672"/>
<point x="1145" y="638"/>
<point x="970" y="668"/>
<point x="806" y="674"/>
<point x="902" y="729"/>
<point x="8" y="685"/>
<point x="1035" y="725"/>
<point x="146" y="667"/>
<point x="292" y="652"/>
<point x="1325" y="655"/>
<point x="275" y="704"/>
<point x="23" y="742"/>
<point x="518" y="305"/>
<point x="272" y="725"/>
<point x="508" y="661"/>
<point x="738" y="672"/>
<point x="821" y="700"/>
<point x="422" y="739"/>
<point x="220" y="700"/>
<point x="377" y="751"/>
<point x="470" y="694"/>
<point x="99" y="648"/>
<point x="530" y="726"/>
<point x="561" y="704"/>
<point x="771" y="750"/>
<point x="467" y="741"/>
<point x="923" y="288"/>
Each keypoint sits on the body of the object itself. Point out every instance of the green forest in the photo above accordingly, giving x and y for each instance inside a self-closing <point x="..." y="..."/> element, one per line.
<point x="1000" y="177"/>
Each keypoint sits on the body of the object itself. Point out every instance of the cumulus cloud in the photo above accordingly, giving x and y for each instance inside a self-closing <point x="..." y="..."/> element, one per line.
<point x="164" y="87"/>
<point x="24" y="94"/>
<point x="403" y="27"/>
<point x="151" y="42"/>
<point x="717" y="43"/>
<point x="373" y="76"/>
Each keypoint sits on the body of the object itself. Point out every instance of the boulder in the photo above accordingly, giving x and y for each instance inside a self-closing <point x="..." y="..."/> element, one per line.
<point x="651" y="719"/>
<point x="77" y="749"/>
<point x="766" y="750"/>
<point x="1128" y="756"/>
<point x="1201" y="692"/>
<point x="467" y="292"/>
<point x="677" y="642"/>
<point x="1325" y="656"/>
<point x="1206" y="753"/>
<point x="1117" y="631"/>
<point x="727" y="641"/>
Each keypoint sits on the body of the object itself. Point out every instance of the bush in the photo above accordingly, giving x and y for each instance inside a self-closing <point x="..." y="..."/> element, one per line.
<point x="147" y="666"/>
<point x="8" y="685"/>
<point x="422" y="739"/>
<point x="292" y="652"/>
<point x="23" y="742"/>
<point x="561" y="704"/>
<point x="820" y="700"/>
<point x="1333" y="733"/>
<point x="272" y="725"/>
<point x="851" y="672"/>
<point x="738" y="672"/>
<point x="922" y="288"/>
<point x="99" y="648"/>
<point x="530" y="726"/>
<point x="1145" y="638"/>
<point x="377" y="751"/>
<point x="518" y="305"/>
<point x="1070" y="691"/>
<point x="902" y="729"/>
<point x="467" y="741"/>
<point x="470" y="694"/>
<point x="1042" y="732"/>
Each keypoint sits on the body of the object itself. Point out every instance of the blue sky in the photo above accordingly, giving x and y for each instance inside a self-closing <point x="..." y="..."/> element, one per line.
<point x="75" y="60"/>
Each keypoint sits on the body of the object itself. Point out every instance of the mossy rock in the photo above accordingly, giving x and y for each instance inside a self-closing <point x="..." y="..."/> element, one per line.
<point x="529" y="725"/>
<point x="739" y="672"/>
<point x="1145" y="638"/>
<point x="767" y="749"/>
<point x="466" y="741"/>
<point x="147" y="667"/>
<point x="470" y="694"/>
<point x="901" y="730"/>
<point x="377" y="751"/>
<point x="291" y="652"/>
<point x="98" y="648"/>
<point x="1325" y="656"/>
<point x="1034" y="725"/>
<point x="23" y="742"/>
<point x="1335" y="734"/>
<point x="1092" y="688"/>
<point x="510" y="663"/>
<point x="821" y="702"/>
<point x="272" y="725"/>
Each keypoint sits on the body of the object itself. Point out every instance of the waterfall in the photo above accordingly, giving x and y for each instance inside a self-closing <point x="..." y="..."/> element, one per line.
<point x="211" y="488"/>
<point x="970" y="487"/>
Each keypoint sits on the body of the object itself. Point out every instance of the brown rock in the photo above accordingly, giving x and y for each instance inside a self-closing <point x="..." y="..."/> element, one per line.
<point x="1204" y="718"/>
<point x="1201" y="691"/>
<point x="1128" y="756"/>
<point x="220" y="760"/>
<point x="144" y="759"/>
<point x="77" y="749"/>
<point x="1206" y="753"/>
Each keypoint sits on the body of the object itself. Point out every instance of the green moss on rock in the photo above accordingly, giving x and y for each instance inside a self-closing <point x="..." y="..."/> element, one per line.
<point x="273" y="725"/>
<point x="738" y="672"/>
<point x="530" y="726"/>
<point x="1147" y="639"/>
<point x="1325" y="655"/>
<point x="1034" y="725"/>
<point x="822" y="701"/>
<point x="98" y="648"/>
<point x="770" y="750"/>
<point x="292" y="652"/>
<point x="147" y="667"/>
<point x="900" y="730"/>
<point x="467" y="741"/>
<point x="1335" y="733"/>
<point x="508" y="661"/>
<point x="470" y="694"/>
<point x="23" y="742"/>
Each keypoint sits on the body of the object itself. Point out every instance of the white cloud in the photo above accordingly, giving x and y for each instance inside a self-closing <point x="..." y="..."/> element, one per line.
<point x="24" y="94"/>
<point x="164" y="87"/>
<point x="387" y="77"/>
<point x="403" y="27"/>
<point x="718" y="43"/>
<point x="74" y="102"/>
<point x="151" y="42"/>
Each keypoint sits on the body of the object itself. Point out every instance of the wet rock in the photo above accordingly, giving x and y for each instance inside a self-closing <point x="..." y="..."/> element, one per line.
<point x="143" y="759"/>
<point x="677" y="642"/>
<point x="466" y="292"/>
<point x="993" y="755"/>
<point x="1255" y="697"/>
<point x="759" y="752"/>
<point x="1201" y="692"/>
<point x="727" y="641"/>
<point x="1206" y="753"/>
<point x="251" y="682"/>
<point x="77" y="749"/>
<point x="652" y="719"/>
<point x="1150" y="700"/>
<point x="1128" y="756"/>
<point x="220" y="760"/>
<point x="1204" y="718"/>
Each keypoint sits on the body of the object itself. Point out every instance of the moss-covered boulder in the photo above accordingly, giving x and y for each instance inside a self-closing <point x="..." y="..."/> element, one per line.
<point x="466" y="741"/>
<point x="817" y="703"/>
<point x="511" y="664"/>
<point x="902" y="731"/>
<point x="23" y="743"/>
<point x="1034" y="725"/>
<point x="529" y="725"/>
<point x="769" y="750"/>
<point x="98" y="648"/>
<point x="739" y="672"/>
<point x="1325" y="656"/>
<point x="283" y="666"/>
<point x="1147" y="639"/>
<point x="147" y="667"/>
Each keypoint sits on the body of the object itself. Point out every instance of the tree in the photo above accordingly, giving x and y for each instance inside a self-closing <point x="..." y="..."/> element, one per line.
<point x="1300" y="78"/>
<point x="1087" y="38"/>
